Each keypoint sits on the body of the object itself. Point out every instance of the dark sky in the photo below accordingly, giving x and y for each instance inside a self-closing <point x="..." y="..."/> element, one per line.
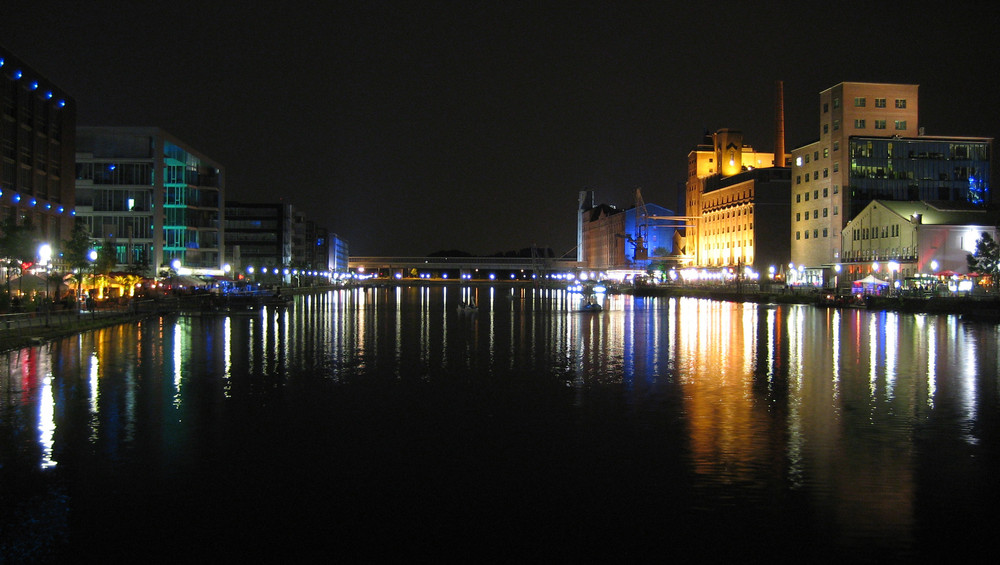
<point x="414" y="127"/>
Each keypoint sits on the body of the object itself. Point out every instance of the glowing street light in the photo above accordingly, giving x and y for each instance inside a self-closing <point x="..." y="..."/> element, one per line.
<point x="44" y="254"/>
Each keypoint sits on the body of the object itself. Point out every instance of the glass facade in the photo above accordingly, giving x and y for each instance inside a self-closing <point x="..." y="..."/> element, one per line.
<point x="918" y="169"/>
<point x="150" y="198"/>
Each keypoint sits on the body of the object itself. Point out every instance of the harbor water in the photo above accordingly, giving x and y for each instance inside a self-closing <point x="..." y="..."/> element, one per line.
<point x="391" y="423"/>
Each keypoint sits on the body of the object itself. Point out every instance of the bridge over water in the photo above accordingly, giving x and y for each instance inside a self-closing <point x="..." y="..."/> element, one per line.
<point x="464" y="267"/>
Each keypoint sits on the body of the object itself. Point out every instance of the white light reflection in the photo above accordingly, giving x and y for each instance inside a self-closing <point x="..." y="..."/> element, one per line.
<point x="931" y="364"/>
<point x="444" y="324"/>
<point x="872" y="355"/>
<point x="796" y="433"/>
<point x="770" y="348"/>
<point x="47" y="422"/>
<point x="967" y="383"/>
<point x="399" y="329"/>
<point x="835" y="334"/>
<point x="227" y="352"/>
<point x="177" y="364"/>
<point x="891" y="352"/>
<point x="94" y="381"/>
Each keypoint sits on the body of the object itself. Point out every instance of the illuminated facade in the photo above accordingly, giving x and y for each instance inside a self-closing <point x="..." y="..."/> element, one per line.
<point x="610" y="236"/>
<point x="37" y="145"/>
<point x="913" y="237"/>
<point x="821" y="170"/>
<point x="870" y="148"/>
<point x="153" y="197"/>
<point x="738" y="202"/>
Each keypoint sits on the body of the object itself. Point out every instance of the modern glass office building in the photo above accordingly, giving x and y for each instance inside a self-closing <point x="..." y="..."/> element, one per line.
<point x="918" y="168"/>
<point x="151" y="196"/>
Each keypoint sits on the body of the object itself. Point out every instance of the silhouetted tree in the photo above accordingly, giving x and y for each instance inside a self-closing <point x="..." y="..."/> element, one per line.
<point x="986" y="259"/>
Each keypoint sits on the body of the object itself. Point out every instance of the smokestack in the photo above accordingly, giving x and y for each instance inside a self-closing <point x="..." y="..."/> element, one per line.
<point x="779" y="125"/>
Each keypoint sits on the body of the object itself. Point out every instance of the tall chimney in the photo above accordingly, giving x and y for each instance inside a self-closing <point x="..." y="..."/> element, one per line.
<point x="779" y="125"/>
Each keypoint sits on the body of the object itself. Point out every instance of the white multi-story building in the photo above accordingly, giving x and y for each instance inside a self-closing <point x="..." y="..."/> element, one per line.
<point x="900" y="239"/>
<point x="153" y="197"/>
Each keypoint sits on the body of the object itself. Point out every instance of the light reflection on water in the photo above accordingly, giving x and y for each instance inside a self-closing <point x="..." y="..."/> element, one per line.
<point x="850" y="409"/>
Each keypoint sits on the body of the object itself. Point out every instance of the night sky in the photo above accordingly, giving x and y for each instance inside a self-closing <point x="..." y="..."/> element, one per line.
<point x="409" y="128"/>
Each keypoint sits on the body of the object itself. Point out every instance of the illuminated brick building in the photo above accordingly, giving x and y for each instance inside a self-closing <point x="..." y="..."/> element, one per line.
<point x="870" y="148"/>
<point x="739" y="202"/>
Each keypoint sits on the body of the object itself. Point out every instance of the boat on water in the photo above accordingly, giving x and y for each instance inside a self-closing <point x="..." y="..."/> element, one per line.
<point x="464" y="306"/>
<point x="591" y="305"/>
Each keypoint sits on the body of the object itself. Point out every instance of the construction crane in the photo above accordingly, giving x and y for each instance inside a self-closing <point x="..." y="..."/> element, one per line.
<point x="641" y="237"/>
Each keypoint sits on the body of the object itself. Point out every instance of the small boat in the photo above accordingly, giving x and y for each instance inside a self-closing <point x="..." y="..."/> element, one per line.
<point x="467" y="306"/>
<point x="592" y="305"/>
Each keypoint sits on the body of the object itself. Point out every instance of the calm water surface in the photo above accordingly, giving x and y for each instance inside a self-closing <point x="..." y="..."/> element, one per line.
<point x="387" y="423"/>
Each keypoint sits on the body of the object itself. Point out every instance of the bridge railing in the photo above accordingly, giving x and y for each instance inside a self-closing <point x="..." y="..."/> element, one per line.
<point x="460" y="262"/>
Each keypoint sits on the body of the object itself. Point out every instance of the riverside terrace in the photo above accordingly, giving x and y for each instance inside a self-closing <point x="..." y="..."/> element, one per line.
<point x="462" y="268"/>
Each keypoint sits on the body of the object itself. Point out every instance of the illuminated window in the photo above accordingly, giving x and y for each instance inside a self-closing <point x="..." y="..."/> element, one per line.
<point x="901" y="124"/>
<point x="879" y="124"/>
<point x="880" y="102"/>
<point x="826" y="152"/>
<point x="901" y="103"/>
<point x="859" y="124"/>
<point x="859" y="102"/>
<point x="824" y="215"/>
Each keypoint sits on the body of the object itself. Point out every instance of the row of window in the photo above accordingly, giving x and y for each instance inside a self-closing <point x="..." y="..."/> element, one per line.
<point x="815" y="234"/>
<point x="862" y="101"/>
<point x="815" y="176"/>
<point x="880" y="124"/>
<point x="815" y="193"/>
<point x="815" y="214"/>
<point x="860" y="234"/>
